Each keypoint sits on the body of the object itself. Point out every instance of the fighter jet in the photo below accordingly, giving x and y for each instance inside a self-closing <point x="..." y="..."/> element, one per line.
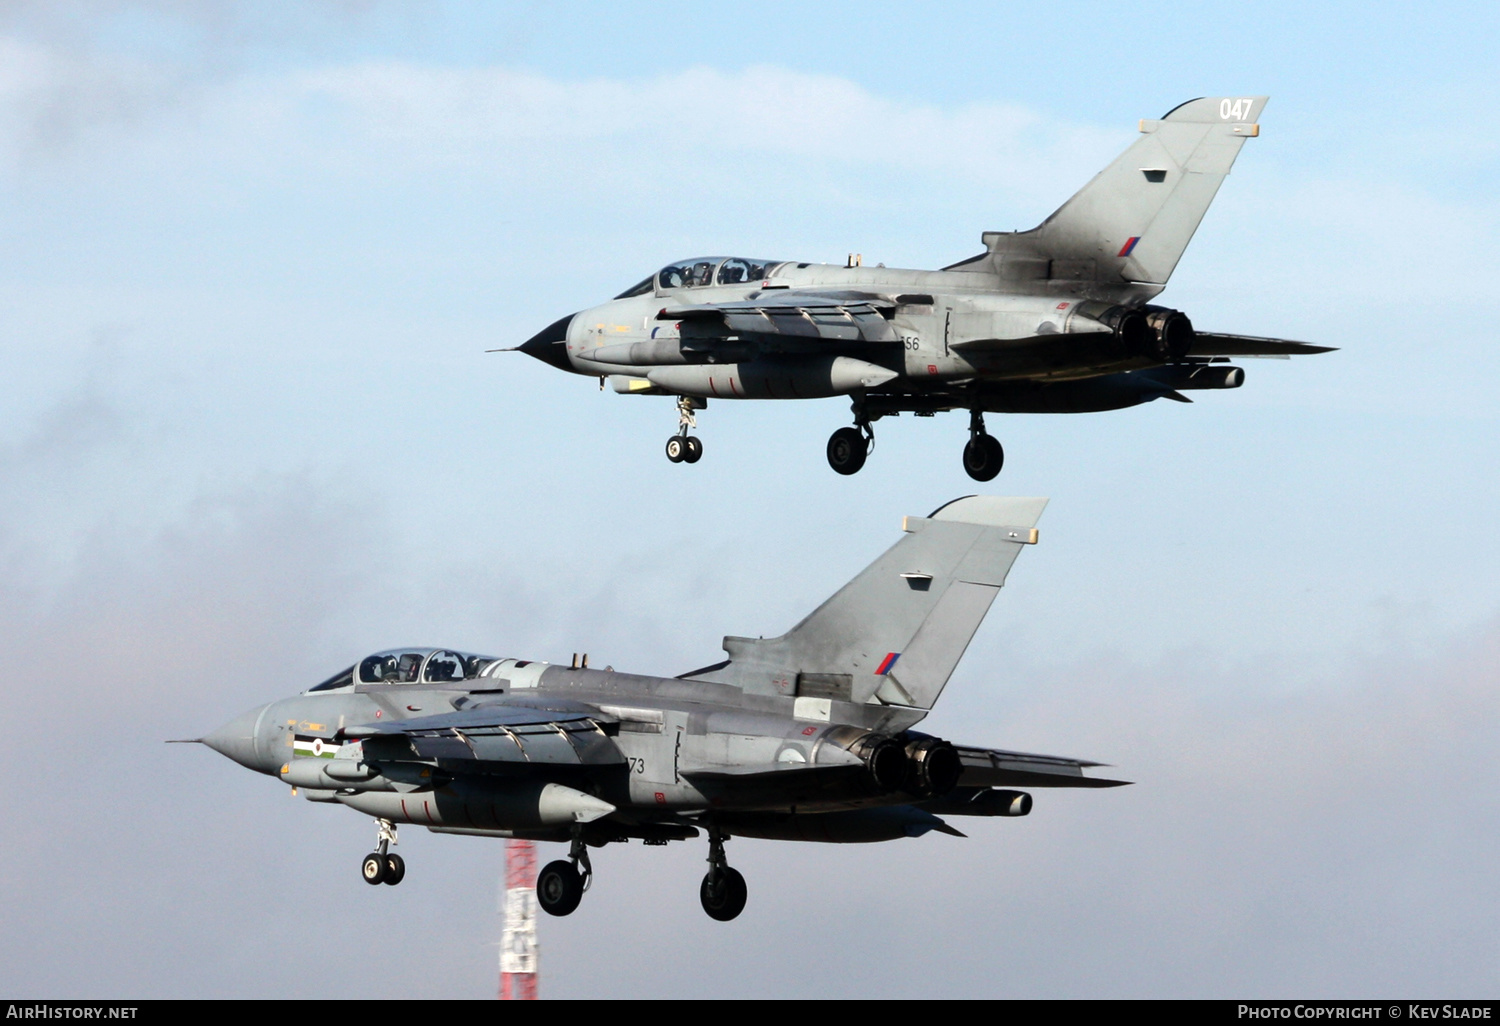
<point x="1057" y="319"/>
<point x="804" y="737"/>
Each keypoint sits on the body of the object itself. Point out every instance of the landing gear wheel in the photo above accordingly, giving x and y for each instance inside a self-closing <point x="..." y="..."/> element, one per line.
<point x="677" y="448"/>
<point x="694" y="451"/>
<point x="983" y="457"/>
<point x="559" y="888"/>
<point x="847" y="449"/>
<point x="395" y="869"/>
<point x="374" y="868"/>
<point x="723" y="898"/>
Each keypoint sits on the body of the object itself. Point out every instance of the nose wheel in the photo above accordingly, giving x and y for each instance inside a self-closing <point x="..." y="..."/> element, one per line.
<point x="383" y="866"/>
<point x="723" y="891"/>
<point x="683" y="447"/>
<point x="983" y="455"/>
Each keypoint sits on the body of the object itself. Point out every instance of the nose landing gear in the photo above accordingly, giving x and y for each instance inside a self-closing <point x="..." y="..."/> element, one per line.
<point x="383" y="865"/>
<point x="683" y="447"/>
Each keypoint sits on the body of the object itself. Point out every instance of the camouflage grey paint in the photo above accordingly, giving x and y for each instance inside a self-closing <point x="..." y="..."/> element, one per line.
<point x="807" y="736"/>
<point x="1052" y="320"/>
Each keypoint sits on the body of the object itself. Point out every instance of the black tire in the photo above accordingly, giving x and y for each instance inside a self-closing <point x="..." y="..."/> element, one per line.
<point x="723" y="899"/>
<point x="373" y="868"/>
<point x="395" y="869"/>
<point x="847" y="449"/>
<point x="676" y="449"/>
<point x="559" y="888"/>
<point x="983" y="457"/>
<point x="694" y="449"/>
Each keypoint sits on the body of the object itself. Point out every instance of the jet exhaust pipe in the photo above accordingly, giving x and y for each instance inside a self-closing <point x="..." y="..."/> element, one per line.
<point x="1172" y="333"/>
<point x="1132" y="336"/>
<point x="933" y="766"/>
<point x="884" y="757"/>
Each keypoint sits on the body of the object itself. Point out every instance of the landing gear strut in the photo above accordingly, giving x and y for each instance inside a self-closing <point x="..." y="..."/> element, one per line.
<point x="560" y="885"/>
<point x="683" y="447"/>
<point x="983" y="455"/>
<point x="723" y="892"/>
<point x="383" y="865"/>
<point x="848" y="447"/>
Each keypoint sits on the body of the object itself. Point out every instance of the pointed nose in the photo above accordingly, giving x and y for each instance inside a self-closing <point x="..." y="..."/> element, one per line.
<point x="239" y="739"/>
<point x="550" y="345"/>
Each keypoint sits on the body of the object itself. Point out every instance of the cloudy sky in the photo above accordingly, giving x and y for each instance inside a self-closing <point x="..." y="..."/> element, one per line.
<point x="253" y="255"/>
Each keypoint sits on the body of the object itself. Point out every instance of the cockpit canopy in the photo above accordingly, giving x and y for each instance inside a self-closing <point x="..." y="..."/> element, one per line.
<point x="701" y="271"/>
<point x="411" y="666"/>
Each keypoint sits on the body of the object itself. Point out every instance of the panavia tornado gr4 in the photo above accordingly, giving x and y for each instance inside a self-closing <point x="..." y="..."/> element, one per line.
<point x="1057" y="319"/>
<point x="805" y="737"/>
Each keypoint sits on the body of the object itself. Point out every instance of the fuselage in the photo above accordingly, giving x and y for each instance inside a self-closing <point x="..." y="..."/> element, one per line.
<point x="934" y="318"/>
<point x="647" y="747"/>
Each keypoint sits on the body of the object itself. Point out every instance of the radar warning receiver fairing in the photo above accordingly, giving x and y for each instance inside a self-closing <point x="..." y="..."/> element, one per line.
<point x="805" y="737"/>
<point x="1057" y="319"/>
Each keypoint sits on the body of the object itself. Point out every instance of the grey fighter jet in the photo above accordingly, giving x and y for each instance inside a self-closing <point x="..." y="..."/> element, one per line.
<point x="1057" y="319"/>
<point x="805" y="737"/>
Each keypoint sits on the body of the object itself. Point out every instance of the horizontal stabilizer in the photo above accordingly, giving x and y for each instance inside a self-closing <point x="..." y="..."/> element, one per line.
<point x="985" y="767"/>
<point x="1207" y="343"/>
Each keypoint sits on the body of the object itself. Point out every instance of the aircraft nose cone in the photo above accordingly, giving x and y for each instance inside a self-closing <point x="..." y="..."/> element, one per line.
<point x="550" y="345"/>
<point x="237" y="739"/>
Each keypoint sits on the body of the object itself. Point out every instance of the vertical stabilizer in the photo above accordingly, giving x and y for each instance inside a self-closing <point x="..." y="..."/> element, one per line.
<point x="1135" y="219"/>
<point x="895" y="632"/>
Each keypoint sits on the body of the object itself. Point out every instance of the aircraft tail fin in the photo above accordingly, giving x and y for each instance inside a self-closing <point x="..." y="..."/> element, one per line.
<point x="894" y="633"/>
<point x="1135" y="219"/>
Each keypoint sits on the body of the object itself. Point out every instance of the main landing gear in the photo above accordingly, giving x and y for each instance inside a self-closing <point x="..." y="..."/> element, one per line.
<point x="683" y="447"/>
<point x="383" y="865"/>
<point x="560" y="885"/>
<point x="723" y="892"/>
<point x="983" y="455"/>
<point x="848" y="447"/>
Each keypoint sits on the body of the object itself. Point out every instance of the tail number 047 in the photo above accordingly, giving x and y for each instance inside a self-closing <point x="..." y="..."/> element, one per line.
<point x="1235" y="110"/>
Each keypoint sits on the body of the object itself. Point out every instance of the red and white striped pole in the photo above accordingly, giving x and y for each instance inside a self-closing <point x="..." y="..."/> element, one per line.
<point x="518" y="947"/>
